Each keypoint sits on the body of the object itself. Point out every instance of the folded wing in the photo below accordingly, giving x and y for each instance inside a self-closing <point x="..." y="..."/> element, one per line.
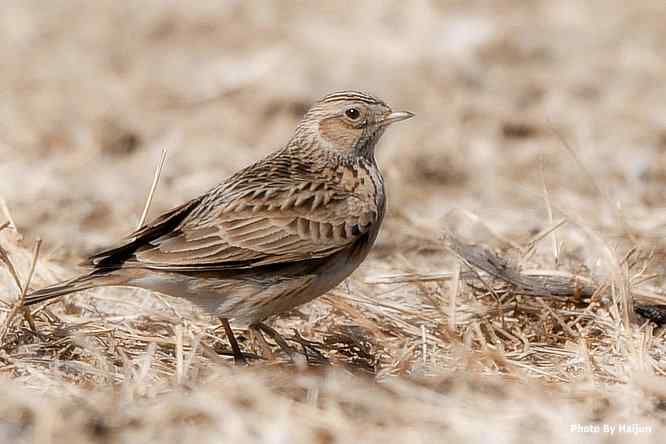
<point x="248" y="228"/>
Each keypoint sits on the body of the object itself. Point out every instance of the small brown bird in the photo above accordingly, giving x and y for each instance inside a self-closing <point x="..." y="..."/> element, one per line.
<point x="273" y="236"/>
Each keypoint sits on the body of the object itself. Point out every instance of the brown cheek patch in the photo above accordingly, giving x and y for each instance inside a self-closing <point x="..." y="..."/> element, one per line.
<point x="338" y="134"/>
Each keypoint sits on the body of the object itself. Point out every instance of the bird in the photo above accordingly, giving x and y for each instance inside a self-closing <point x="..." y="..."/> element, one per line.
<point x="271" y="237"/>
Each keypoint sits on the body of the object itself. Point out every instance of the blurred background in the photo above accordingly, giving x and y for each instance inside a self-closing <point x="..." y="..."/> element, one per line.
<point x="90" y="93"/>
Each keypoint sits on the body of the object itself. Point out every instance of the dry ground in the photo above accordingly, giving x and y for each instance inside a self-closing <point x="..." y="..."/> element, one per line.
<point x="540" y="133"/>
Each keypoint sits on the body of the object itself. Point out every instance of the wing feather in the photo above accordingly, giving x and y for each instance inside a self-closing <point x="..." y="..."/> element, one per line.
<point x="285" y="229"/>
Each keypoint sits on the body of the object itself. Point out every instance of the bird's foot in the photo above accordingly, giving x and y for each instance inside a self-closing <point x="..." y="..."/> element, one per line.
<point x="311" y="350"/>
<point x="311" y="354"/>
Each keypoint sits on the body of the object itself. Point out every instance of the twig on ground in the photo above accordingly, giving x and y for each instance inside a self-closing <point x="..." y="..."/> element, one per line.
<point x="548" y="285"/>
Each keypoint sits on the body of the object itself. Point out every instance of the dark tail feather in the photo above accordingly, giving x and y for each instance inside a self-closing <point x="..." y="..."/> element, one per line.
<point x="62" y="288"/>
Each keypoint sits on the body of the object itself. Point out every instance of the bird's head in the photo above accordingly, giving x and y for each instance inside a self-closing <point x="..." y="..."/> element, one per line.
<point x="349" y="122"/>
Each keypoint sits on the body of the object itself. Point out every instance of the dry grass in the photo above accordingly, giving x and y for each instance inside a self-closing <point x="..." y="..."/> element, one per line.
<point x="540" y="136"/>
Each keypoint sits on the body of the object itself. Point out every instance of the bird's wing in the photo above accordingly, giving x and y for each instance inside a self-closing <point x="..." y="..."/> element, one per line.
<point x="254" y="227"/>
<point x="261" y="228"/>
<point x="116" y="255"/>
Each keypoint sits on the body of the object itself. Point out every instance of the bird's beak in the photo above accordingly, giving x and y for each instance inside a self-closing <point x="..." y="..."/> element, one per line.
<point x="396" y="116"/>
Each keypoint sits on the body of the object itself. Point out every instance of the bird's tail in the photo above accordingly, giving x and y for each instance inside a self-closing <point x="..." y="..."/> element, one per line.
<point x="80" y="283"/>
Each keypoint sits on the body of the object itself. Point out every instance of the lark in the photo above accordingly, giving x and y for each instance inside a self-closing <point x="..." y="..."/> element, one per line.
<point x="273" y="236"/>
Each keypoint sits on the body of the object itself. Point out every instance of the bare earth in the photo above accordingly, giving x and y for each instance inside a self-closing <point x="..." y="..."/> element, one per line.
<point x="540" y="135"/>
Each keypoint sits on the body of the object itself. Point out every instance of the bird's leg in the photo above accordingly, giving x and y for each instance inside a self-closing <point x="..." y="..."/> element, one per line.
<point x="279" y="340"/>
<point x="235" y="348"/>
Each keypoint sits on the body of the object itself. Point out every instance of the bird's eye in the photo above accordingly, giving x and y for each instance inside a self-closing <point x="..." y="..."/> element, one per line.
<point x="353" y="113"/>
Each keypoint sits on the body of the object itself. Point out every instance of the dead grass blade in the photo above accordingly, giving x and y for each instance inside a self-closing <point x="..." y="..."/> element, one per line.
<point x="19" y="305"/>
<point x="153" y="187"/>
